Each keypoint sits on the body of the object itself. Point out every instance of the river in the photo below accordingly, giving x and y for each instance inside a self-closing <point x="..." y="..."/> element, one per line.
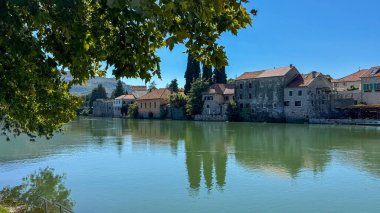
<point x="118" y="165"/>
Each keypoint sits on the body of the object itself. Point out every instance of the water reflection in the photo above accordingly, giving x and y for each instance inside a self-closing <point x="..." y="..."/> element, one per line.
<point x="35" y="190"/>
<point x="277" y="149"/>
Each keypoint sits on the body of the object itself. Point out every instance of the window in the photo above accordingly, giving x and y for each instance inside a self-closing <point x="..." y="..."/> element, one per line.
<point x="241" y="86"/>
<point x="274" y="105"/>
<point x="140" y="105"/>
<point x="241" y="96"/>
<point x="226" y="98"/>
<point x="377" y="87"/>
<point x="250" y="85"/>
<point x="367" y="87"/>
<point x="290" y="93"/>
<point x="297" y="103"/>
<point x="145" y="105"/>
<point x="208" y="106"/>
<point x="150" y="104"/>
<point x="241" y="106"/>
<point x="250" y="96"/>
<point x="246" y="105"/>
<point x="155" y="105"/>
<point x="286" y="103"/>
<point x="299" y="92"/>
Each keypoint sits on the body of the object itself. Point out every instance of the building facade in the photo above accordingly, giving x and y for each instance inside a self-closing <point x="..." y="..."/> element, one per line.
<point x="154" y="104"/>
<point x="102" y="108"/>
<point x="371" y="86"/>
<point x="216" y="99"/>
<point x="120" y="102"/>
<point x="307" y="96"/>
<point x="260" y="94"/>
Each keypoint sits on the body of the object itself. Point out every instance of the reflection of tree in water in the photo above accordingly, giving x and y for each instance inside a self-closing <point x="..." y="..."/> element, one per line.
<point x="42" y="184"/>
<point x="206" y="148"/>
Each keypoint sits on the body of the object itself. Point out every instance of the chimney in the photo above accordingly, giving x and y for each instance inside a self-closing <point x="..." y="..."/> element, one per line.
<point x="314" y="73"/>
<point x="291" y="66"/>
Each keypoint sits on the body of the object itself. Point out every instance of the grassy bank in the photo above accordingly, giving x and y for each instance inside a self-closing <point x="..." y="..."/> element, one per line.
<point x="3" y="210"/>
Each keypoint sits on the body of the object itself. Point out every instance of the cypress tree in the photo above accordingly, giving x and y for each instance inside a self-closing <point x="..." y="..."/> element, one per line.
<point x="119" y="90"/>
<point x="193" y="72"/>
<point x="220" y="76"/>
<point x="207" y="73"/>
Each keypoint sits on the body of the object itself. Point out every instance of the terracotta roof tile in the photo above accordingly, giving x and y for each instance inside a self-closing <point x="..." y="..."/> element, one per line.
<point x="126" y="97"/>
<point x="157" y="94"/>
<point x="358" y="75"/>
<point x="303" y="80"/>
<point x="249" y="75"/>
<point x="225" y="89"/>
<point x="276" y="72"/>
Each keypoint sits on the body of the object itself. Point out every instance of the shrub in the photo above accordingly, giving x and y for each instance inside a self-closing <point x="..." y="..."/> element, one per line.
<point x="178" y="100"/>
<point x="233" y="112"/>
<point x="133" y="110"/>
<point x="195" y="103"/>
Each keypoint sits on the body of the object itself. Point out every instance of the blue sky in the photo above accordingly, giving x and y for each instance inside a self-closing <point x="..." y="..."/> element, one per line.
<point x="336" y="37"/>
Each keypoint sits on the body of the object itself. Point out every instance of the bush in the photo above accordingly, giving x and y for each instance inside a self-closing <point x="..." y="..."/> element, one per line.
<point x="133" y="110"/>
<point x="178" y="100"/>
<point x="233" y="112"/>
<point x="3" y="210"/>
<point x="195" y="103"/>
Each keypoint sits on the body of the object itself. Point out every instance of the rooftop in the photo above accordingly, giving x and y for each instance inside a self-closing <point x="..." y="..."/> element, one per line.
<point x="275" y="72"/>
<point x="156" y="94"/>
<point x="126" y="97"/>
<point x="225" y="89"/>
<point x="303" y="80"/>
<point x="356" y="76"/>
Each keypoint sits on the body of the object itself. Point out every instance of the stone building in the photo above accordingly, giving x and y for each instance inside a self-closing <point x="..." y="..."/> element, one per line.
<point x="102" y="108"/>
<point x="261" y="94"/>
<point x="216" y="99"/>
<point x="120" y="102"/>
<point x="371" y="86"/>
<point x="349" y="82"/>
<point x="154" y="104"/>
<point x="307" y="96"/>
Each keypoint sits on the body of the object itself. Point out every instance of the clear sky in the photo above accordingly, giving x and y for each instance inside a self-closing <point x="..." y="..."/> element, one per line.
<point x="335" y="37"/>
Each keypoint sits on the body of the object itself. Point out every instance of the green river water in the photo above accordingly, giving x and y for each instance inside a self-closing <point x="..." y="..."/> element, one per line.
<point x="117" y="165"/>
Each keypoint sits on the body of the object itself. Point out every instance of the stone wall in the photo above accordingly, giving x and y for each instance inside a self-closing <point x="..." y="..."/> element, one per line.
<point x="210" y="118"/>
<point x="102" y="108"/>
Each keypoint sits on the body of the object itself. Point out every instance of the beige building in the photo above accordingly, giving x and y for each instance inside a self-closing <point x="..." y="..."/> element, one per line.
<point x="154" y="104"/>
<point x="307" y="96"/>
<point x="371" y="86"/>
<point x="120" y="102"/>
<point x="217" y="98"/>
<point x="350" y="82"/>
<point x="261" y="93"/>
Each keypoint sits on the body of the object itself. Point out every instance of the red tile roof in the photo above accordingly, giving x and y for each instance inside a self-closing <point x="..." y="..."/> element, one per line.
<point x="358" y="75"/>
<point x="276" y="72"/>
<point x="224" y="89"/>
<point x="157" y="94"/>
<point x="126" y="97"/>
<point x="303" y="80"/>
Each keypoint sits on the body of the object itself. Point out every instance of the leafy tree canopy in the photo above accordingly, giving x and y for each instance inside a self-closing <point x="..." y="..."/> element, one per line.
<point x="195" y="102"/>
<point x="152" y="86"/>
<point x="173" y="86"/>
<point x="178" y="100"/>
<point x="41" y="41"/>
<point x="98" y="93"/>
